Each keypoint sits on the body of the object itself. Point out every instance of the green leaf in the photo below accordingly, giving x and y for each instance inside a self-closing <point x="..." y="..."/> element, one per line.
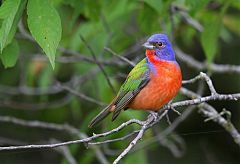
<point x="92" y="9"/>
<point x="45" y="26"/>
<point x="209" y="37"/>
<point x="10" y="54"/>
<point x="10" y="12"/>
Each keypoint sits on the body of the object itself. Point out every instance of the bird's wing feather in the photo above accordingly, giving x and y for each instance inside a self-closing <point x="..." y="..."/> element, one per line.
<point x="136" y="80"/>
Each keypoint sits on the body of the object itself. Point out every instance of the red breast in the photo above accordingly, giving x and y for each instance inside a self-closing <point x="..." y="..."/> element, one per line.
<point x="164" y="84"/>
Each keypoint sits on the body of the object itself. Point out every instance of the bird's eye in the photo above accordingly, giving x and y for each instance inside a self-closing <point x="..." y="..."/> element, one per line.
<point x="159" y="45"/>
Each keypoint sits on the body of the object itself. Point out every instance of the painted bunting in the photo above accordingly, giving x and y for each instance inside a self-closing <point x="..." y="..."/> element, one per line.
<point x="151" y="84"/>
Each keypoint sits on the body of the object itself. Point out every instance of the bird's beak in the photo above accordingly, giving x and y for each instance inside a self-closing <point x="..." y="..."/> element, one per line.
<point x="147" y="45"/>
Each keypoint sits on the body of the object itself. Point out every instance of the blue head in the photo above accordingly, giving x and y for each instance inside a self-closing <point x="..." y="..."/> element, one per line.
<point x="162" y="46"/>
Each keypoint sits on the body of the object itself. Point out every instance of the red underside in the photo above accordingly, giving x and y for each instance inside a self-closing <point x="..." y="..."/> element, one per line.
<point x="163" y="86"/>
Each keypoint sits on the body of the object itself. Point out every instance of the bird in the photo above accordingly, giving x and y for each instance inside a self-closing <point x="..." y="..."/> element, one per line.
<point x="151" y="84"/>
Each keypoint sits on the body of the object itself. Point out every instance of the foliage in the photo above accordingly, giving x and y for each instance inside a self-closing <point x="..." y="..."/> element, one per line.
<point x="29" y="26"/>
<point x="45" y="25"/>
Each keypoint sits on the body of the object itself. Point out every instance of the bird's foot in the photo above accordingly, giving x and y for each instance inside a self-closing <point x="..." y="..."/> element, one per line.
<point x="154" y="115"/>
<point x="167" y="106"/>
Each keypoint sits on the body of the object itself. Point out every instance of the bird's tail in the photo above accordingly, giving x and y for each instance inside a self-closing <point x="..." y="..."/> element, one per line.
<point x="103" y="114"/>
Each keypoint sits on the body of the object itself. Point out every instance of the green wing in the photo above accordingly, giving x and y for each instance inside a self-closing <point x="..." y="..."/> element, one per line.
<point x="136" y="80"/>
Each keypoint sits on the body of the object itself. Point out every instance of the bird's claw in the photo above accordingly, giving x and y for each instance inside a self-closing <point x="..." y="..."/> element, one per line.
<point x="154" y="115"/>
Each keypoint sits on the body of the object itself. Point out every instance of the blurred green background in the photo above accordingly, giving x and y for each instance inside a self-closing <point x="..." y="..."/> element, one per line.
<point x="31" y="90"/>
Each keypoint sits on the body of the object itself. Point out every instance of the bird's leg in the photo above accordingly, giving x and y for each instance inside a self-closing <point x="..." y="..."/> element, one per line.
<point x="154" y="115"/>
<point x="167" y="106"/>
<point x="169" y="103"/>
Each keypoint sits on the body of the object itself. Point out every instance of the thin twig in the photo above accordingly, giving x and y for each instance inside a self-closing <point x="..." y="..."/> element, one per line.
<point x="136" y="139"/>
<point x="204" y="77"/>
<point x="85" y="140"/>
<point x="186" y="17"/>
<point x="37" y="105"/>
<point x="64" y="150"/>
<point x="120" y="57"/>
<point x="40" y="124"/>
<point x="98" y="63"/>
<point x="114" y="140"/>
<point x="81" y="95"/>
<point x="201" y="66"/>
